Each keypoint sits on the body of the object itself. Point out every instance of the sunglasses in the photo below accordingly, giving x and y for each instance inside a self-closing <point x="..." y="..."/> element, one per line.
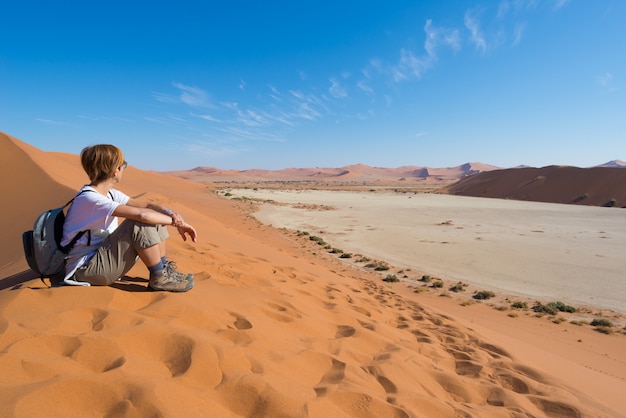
<point x="124" y="165"/>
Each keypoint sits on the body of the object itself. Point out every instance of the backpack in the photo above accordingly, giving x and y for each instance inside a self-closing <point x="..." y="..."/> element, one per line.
<point x="42" y="246"/>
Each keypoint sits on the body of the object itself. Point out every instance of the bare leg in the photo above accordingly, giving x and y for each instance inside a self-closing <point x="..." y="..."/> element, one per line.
<point x="151" y="255"/>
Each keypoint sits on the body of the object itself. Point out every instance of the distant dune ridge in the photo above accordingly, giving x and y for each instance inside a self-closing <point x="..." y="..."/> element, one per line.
<point x="601" y="185"/>
<point x="357" y="172"/>
<point x="270" y="329"/>
<point x="596" y="186"/>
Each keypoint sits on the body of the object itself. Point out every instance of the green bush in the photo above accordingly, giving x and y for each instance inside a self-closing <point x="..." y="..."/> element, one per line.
<point x="519" y="305"/>
<point x="459" y="287"/>
<point x="483" y="295"/>
<point x="320" y="241"/>
<point x="438" y="284"/>
<point x="601" y="322"/>
<point x="391" y="278"/>
<point x="425" y="278"/>
<point x="553" y="308"/>
<point x="336" y="251"/>
<point x="610" y="203"/>
<point x="345" y="255"/>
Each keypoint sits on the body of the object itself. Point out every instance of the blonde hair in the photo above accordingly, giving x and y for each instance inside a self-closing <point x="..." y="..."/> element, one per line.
<point x="101" y="161"/>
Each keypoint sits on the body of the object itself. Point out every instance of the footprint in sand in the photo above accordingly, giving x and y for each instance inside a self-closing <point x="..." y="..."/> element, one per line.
<point x="241" y="323"/>
<point x="554" y="408"/>
<point x="344" y="331"/>
<point x="388" y="386"/>
<point x="98" y="316"/>
<point x="333" y="376"/>
<point x="512" y="382"/>
<point x="468" y="368"/>
<point x="282" y="313"/>
<point x="176" y="354"/>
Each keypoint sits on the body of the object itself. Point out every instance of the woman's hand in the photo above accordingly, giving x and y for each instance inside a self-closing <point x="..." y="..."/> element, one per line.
<point x="185" y="229"/>
<point x="177" y="219"/>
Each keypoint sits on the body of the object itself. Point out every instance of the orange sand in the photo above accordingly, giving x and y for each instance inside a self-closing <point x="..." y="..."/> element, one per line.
<point x="270" y="330"/>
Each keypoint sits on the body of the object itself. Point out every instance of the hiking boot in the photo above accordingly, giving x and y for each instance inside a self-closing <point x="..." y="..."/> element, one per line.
<point x="172" y="281"/>
<point x="170" y="267"/>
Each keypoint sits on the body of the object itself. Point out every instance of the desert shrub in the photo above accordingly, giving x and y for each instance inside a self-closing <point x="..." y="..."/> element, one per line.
<point x="363" y="260"/>
<point x="519" y="305"/>
<point x="553" y="308"/>
<point x="320" y="241"/>
<point x="581" y="198"/>
<point x="336" y="251"/>
<point x="381" y="267"/>
<point x="579" y="323"/>
<point x="345" y="255"/>
<point x="513" y="315"/>
<point x="558" y="320"/>
<point x="425" y="278"/>
<point x="391" y="278"/>
<point x="437" y="284"/>
<point x="302" y="233"/>
<point x="483" y="295"/>
<point x="228" y="194"/>
<point x="610" y="203"/>
<point x="601" y="322"/>
<point x="459" y="287"/>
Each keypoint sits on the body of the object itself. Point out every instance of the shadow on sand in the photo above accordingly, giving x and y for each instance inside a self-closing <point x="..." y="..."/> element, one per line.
<point x="16" y="281"/>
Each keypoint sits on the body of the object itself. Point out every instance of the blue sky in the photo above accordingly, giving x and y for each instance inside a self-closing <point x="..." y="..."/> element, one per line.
<point x="278" y="84"/>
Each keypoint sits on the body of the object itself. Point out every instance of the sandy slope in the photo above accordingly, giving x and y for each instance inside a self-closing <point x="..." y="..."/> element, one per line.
<point x="269" y="330"/>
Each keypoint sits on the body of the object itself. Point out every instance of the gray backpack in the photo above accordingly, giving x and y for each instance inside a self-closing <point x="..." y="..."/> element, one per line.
<point x="42" y="246"/>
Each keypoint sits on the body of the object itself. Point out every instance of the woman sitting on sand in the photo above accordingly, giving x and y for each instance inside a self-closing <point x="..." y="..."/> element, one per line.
<point x="107" y="252"/>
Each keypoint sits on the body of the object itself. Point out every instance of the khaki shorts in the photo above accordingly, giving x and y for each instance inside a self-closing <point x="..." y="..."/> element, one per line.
<point x="118" y="253"/>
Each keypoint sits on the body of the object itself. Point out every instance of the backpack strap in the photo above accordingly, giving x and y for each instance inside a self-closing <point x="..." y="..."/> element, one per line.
<point x="66" y="248"/>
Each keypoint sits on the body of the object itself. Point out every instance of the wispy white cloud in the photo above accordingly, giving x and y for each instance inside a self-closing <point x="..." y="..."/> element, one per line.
<point x="206" y="117"/>
<point x="214" y="150"/>
<point x="238" y="133"/>
<point x="472" y="23"/>
<point x="607" y="81"/>
<point x="336" y="90"/>
<point x="362" y="84"/>
<point x="411" y="65"/>
<point x="558" y="4"/>
<point x="53" y="122"/>
<point x="518" y="33"/>
<point x="104" y="118"/>
<point x="437" y="37"/>
<point x="192" y="96"/>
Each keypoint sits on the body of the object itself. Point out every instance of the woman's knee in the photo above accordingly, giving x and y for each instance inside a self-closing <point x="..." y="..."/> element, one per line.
<point x="146" y="235"/>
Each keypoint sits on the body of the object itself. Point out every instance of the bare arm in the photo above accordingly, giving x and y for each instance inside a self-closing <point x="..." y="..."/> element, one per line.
<point x="150" y="216"/>
<point x="176" y="217"/>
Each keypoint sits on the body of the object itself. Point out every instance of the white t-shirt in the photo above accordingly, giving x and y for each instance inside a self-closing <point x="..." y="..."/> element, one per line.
<point x="90" y="211"/>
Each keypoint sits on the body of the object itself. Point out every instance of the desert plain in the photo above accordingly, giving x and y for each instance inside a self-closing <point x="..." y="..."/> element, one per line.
<point x="276" y="327"/>
<point x="545" y="251"/>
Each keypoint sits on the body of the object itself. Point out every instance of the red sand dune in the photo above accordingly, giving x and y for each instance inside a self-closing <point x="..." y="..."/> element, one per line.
<point x="270" y="330"/>
<point x="351" y="173"/>
<point x="596" y="186"/>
